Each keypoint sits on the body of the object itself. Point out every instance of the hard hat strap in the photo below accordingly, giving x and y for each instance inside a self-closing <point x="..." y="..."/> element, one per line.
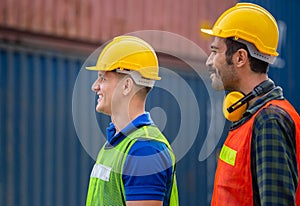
<point x="137" y="78"/>
<point x="257" y="54"/>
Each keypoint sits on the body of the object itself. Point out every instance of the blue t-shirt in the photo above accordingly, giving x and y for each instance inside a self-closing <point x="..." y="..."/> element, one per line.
<point x="147" y="173"/>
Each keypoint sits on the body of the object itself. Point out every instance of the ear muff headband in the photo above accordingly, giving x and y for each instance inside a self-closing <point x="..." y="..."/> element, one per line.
<point x="234" y="104"/>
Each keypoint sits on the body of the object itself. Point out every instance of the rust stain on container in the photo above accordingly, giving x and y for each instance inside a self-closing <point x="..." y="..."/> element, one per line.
<point x="100" y="20"/>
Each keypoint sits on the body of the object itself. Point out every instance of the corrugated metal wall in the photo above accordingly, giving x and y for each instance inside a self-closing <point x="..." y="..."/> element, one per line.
<point x="42" y="161"/>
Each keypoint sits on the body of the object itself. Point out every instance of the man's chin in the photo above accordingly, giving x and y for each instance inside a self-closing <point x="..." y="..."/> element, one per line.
<point x="218" y="86"/>
<point x="102" y="111"/>
<point x="99" y="109"/>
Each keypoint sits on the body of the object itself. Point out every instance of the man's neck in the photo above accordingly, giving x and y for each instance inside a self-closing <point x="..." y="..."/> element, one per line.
<point x="123" y="119"/>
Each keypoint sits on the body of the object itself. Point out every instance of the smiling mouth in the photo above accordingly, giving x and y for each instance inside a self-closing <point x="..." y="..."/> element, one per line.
<point x="212" y="70"/>
<point x="100" y="97"/>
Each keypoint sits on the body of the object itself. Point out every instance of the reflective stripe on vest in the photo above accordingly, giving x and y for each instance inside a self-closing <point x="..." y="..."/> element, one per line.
<point x="106" y="185"/>
<point x="233" y="179"/>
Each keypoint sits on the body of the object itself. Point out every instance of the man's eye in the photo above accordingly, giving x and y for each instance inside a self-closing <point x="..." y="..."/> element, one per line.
<point x="101" y="78"/>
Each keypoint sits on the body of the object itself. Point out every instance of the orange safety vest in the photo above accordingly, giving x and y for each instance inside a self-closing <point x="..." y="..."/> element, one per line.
<point x="233" y="179"/>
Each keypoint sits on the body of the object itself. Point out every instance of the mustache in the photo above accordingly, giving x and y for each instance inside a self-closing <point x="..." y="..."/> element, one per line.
<point x="212" y="70"/>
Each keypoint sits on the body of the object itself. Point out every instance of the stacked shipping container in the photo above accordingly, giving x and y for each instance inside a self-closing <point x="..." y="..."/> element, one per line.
<point x="43" y="47"/>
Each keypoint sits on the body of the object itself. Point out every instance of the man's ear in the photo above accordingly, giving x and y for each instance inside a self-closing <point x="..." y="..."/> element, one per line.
<point x="127" y="86"/>
<point x="240" y="58"/>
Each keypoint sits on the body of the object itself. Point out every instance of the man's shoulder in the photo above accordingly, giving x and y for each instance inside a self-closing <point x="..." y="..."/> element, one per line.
<point x="147" y="146"/>
<point x="274" y="114"/>
<point x="273" y="111"/>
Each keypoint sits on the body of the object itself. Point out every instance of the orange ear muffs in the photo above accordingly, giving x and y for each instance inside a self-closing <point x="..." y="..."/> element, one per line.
<point x="230" y="99"/>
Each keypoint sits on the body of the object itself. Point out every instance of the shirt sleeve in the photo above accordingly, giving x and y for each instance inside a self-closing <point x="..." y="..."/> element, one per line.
<point x="147" y="173"/>
<point x="274" y="165"/>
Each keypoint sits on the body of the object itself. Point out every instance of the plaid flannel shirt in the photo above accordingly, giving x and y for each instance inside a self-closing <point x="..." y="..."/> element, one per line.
<point x="273" y="152"/>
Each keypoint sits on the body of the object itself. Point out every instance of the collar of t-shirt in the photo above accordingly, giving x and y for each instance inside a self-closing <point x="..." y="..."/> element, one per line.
<point x="114" y="138"/>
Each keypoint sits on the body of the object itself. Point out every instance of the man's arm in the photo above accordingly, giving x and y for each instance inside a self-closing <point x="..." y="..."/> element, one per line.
<point x="274" y="165"/>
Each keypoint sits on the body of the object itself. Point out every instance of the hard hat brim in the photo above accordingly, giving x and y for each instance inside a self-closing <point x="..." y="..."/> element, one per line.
<point x="91" y="68"/>
<point x="207" y="31"/>
<point x="95" y="68"/>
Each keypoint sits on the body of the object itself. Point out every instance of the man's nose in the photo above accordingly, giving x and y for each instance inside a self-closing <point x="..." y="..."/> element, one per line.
<point x="95" y="86"/>
<point x="209" y="61"/>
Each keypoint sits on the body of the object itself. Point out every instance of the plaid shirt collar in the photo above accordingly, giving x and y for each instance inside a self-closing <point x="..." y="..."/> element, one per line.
<point x="276" y="93"/>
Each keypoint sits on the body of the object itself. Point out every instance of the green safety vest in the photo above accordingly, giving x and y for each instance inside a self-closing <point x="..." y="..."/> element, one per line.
<point x="106" y="184"/>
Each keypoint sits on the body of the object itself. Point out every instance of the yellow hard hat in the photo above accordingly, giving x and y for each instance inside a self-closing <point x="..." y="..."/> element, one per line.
<point x="129" y="53"/>
<point x="251" y="23"/>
